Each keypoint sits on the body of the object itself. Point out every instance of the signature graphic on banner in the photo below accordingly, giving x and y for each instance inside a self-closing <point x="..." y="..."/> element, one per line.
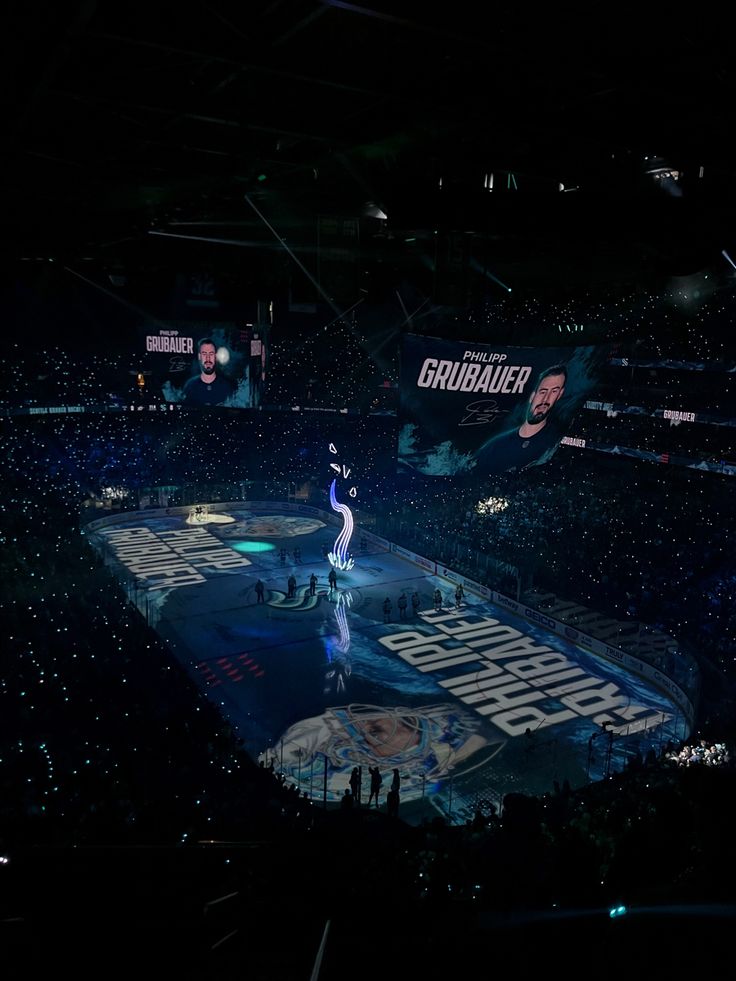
<point x="481" y="413"/>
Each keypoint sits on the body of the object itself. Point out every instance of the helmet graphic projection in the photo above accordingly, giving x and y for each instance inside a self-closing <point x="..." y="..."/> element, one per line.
<point x="426" y="743"/>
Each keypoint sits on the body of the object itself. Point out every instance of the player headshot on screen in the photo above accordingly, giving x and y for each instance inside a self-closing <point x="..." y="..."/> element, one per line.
<point x="208" y="387"/>
<point x="520" y="447"/>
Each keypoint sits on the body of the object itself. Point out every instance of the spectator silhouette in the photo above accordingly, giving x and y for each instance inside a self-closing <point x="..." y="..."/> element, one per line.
<point x="392" y="803"/>
<point x="355" y="782"/>
<point x="346" y="802"/>
<point x="396" y="780"/>
<point x="392" y="798"/>
<point x="376" y="781"/>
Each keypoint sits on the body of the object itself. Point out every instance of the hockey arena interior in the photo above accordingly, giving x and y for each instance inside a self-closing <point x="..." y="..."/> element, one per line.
<point x="368" y="493"/>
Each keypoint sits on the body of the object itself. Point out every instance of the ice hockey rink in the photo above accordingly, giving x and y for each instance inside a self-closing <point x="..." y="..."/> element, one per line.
<point x="469" y="703"/>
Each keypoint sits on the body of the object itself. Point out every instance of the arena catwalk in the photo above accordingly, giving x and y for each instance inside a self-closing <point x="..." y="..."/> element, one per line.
<point x="385" y="667"/>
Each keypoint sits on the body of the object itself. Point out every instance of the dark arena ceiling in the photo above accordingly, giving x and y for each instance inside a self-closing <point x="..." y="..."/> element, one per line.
<point x="546" y="147"/>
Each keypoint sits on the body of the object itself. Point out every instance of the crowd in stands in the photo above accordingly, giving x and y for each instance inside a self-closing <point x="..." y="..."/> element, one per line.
<point x="107" y="741"/>
<point x="658" y="545"/>
<point x="715" y="754"/>
<point x="663" y="555"/>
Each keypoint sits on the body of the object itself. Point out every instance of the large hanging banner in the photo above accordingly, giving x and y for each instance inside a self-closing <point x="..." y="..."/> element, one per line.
<point x="480" y="408"/>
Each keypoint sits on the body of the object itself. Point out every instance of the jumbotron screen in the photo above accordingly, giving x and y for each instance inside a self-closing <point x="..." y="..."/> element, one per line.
<point x="204" y="365"/>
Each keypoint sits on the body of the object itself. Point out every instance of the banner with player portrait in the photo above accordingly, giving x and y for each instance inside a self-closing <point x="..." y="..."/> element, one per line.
<point x="481" y="408"/>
